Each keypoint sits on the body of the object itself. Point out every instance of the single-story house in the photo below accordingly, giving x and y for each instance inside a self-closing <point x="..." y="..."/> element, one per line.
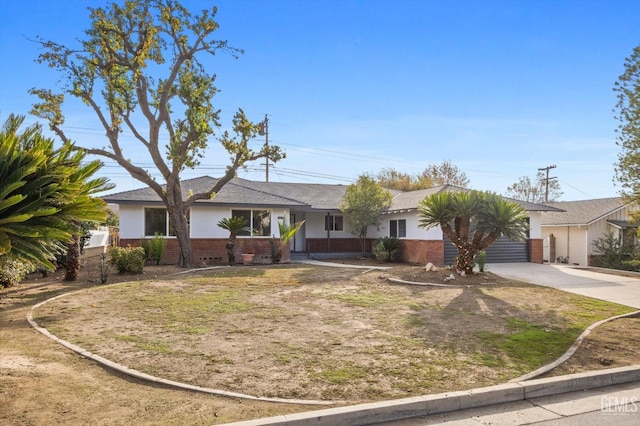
<point x="569" y="234"/>
<point x="324" y="234"/>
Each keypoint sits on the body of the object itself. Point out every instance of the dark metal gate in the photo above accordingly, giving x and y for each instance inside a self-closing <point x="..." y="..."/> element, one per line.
<point x="502" y="251"/>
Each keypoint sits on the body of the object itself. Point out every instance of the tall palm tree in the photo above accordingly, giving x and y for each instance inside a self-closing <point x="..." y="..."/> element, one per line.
<point x="234" y="225"/>
<point x="472" y="220"/>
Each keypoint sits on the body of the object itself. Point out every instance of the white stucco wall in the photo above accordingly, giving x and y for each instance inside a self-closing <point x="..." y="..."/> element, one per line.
<point x="131" y="221"/>
<point x="414" y="232"/>
<point x="535" y="223"/>
<point x="571" y="241"/>
<point x="204" y="222"/>
<point x="314" y="227"/>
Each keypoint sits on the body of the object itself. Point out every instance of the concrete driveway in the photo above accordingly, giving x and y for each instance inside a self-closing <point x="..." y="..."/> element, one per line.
<point x="614" y="288"/>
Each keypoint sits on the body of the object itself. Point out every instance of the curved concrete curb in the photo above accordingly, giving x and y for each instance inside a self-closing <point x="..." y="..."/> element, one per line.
<point x="546" y="368"/>
<point x="387" y="411"/>
<point x="137" y="374"/>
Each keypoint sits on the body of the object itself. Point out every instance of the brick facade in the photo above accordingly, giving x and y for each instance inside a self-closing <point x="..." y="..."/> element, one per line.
<point x="213" y="251"/>
<point x="536" y="250"/>
<point x="423" y="251"/>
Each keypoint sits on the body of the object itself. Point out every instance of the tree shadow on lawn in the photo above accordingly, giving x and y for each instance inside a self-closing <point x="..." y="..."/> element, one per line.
<point x="501" y="332"/>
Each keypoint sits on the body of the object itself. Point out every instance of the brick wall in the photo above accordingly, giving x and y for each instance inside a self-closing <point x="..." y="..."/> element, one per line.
<point x="423" y="251"/>
<point x="536" y="254"/>
<point x="213" y="251"/>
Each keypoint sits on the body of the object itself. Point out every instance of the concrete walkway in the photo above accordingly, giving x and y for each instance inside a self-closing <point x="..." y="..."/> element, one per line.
<point x="624" y="290"/>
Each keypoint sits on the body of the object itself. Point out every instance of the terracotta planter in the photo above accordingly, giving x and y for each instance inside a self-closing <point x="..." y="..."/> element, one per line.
<point x="247" y="258"/>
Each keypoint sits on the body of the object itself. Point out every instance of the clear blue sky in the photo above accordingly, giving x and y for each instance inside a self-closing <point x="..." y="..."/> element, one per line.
<point x="500" y="88"/>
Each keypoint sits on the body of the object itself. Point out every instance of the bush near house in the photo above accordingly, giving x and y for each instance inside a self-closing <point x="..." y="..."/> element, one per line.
<point x="13" y="270"/>
<point x="154" y="248"/>
<point x="615" y="253"/>
<point x="387" y="249"/>
<point x="128" y="259"/>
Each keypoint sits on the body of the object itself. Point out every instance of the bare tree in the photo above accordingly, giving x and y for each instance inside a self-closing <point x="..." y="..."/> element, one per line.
<point x="116" y="73"/>
<point x="536" y="191"/>
<point x="433" y="175"/>
<point x="445" y="173"/>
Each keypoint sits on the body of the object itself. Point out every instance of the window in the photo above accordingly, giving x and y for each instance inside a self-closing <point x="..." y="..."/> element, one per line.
<point x="259" y="220"/>
<point x="333" y="223"/>
<point x="398" y="228"/>
<point x="157" y="221"/>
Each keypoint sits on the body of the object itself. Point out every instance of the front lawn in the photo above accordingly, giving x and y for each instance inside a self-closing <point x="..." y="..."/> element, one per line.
<point x="311" y="332"/>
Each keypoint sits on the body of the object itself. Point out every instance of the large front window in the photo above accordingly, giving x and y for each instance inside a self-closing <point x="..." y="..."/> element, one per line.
<point x="157" y="221"/>
<point x="259" y="220"/>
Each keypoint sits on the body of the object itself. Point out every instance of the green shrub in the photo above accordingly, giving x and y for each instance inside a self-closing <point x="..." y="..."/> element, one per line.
<point x="128" y="259"/>
<point x="13" y="270"/>
<point x="387" y="249"/>
<point x="276" y="251"/>
<point x="613" y="251"/>
<point x="481" y="260"/>
<point x="157" y="247"/>
<point x="631" y="265"/>
<point x="146" y="245"/>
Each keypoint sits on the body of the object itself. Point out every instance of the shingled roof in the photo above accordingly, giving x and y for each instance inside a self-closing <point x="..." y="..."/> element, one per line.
<point x="403" y="201"/>
<point x="583" y="212"/>
<point x="305" y="196"/>
<point x="239" y="192"/>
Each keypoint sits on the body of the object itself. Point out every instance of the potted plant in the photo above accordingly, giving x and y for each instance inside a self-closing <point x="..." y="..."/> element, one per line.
<point x="248" y="252"/>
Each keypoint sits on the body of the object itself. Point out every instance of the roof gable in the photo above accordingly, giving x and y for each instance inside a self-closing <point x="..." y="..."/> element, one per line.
<point x="583" y="212"/>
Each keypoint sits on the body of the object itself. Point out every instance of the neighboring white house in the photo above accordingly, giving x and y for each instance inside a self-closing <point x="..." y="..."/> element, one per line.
<point x="569" y="235"/>
<point x="264" y="204"/>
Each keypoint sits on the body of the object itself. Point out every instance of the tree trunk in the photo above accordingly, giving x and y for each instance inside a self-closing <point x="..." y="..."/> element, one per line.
<point x="231" y="244"/>
<point x="72" y="266"/>
<point x="178" y="215"/>
<point x="363" y="243"/>
<point x="185" y="255"/>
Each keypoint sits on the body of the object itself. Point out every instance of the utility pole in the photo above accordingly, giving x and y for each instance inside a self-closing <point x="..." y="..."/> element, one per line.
<point x="546" y="181"/>
<point x="264" y="131"/>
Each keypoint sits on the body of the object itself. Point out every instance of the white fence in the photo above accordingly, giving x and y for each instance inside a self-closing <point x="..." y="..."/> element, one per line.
<point x="99" y="238"/>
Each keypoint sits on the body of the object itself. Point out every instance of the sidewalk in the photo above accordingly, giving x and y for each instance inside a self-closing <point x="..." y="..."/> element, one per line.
<point x="608" y="392"/>
<point x="610" y="405"/>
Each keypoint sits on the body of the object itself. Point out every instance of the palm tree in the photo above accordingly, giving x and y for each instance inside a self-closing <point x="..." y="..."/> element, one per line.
<point x="472" y="220"/>
<point x="234" y="225"/>
<point x="44" y="194"/>
<point x="287" y="232"/>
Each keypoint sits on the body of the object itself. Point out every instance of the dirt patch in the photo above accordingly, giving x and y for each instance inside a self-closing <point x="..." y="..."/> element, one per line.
<point x="297" y="334"/>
